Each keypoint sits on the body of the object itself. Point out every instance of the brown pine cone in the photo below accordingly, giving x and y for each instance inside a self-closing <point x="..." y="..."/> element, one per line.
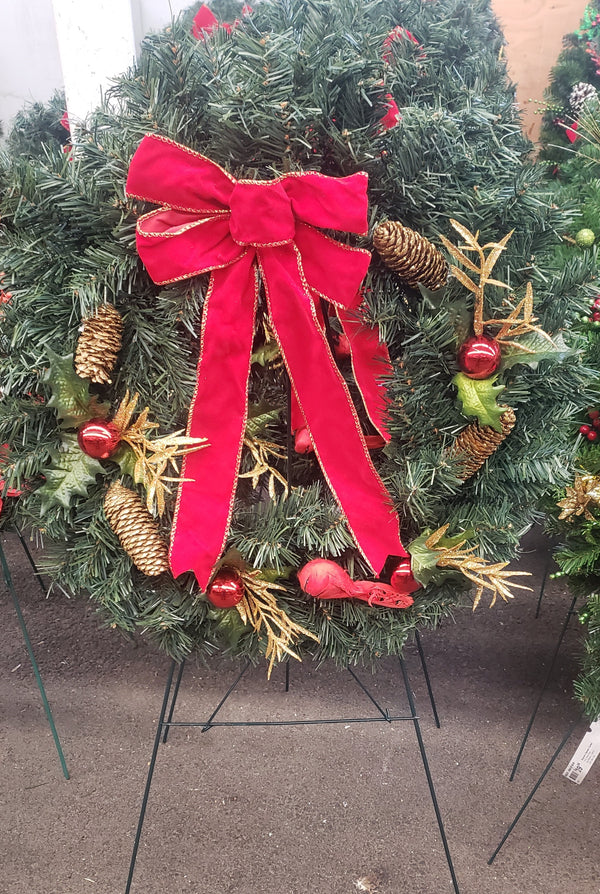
<point x="137" y="531"/>
<point x="98" y="345"/>
<point x="413" y="257"/>
<point x="477" y="442"/>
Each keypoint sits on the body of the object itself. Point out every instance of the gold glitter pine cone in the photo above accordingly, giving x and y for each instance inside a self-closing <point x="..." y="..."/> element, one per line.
<point x="476" y="443"/>
<point x="413" y="257"/>
<point x="137" y="530"/>
<point x="98" y="345"/>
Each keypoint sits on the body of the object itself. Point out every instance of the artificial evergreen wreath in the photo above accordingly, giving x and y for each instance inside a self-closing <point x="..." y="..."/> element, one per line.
<point x="272" y="125"/>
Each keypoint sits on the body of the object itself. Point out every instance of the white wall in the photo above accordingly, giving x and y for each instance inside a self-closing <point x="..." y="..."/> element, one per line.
<point x="30" y="60"/>
<point x="152" y="15"/>
<point x="30" y="68"/>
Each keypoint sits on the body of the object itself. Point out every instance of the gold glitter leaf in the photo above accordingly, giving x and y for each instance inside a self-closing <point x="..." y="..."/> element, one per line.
<point x="152" y="457"/>
<point x="585" y="491"/>
<point x="261" y="452"/>
<point x="485" y="575"/>
<point x="259" y="608"/>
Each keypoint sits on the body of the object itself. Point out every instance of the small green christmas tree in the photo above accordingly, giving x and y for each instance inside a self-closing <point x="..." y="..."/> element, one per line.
<point x="418" y="100"/>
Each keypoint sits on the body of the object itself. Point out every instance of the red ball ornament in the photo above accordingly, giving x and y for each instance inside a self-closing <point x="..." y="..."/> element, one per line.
<point x="341" y="346"/>
<point x="479" y="356"/>
<point x="227" y="588"/>
<point x="302" y="441"/>
<point x="594" y="414"/>
<point x="402" y="580"/>
<point x="584" y="429"/>
<point x="99" y="438"/>
<point x="592" y="435"/>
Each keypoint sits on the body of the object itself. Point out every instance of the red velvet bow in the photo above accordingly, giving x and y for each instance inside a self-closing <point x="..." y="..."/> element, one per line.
<point x="211" y="222"/>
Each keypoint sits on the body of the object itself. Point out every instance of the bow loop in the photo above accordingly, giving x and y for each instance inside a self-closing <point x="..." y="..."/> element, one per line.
<point x="332" y="203"/>
<point x="166" y="173"/>
<point x="175" y="245"/>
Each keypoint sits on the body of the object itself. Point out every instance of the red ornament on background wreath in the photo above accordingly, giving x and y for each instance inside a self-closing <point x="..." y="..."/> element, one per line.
<point x="227" y="589"/>
<point x="11" y="491"/>
<point x="479" y="356"/>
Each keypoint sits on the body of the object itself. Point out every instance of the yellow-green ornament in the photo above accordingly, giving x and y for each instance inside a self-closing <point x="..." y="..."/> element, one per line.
<point x="585" y="237"/>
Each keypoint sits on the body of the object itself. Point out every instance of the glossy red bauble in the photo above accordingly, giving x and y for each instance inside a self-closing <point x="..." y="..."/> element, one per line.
<point x="584" y="429"/>
<point x="592" y="435"/>
<point x="227" y="588"/>
<point x="99" y="438"/>
<point x="479" y="356"/>
<point x="302" y="441"/>
<point x="401" y="578"/>
<point x="341" y="346"/>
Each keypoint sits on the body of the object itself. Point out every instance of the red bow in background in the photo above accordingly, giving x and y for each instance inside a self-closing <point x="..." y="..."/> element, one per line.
<point x="235" y="229"/>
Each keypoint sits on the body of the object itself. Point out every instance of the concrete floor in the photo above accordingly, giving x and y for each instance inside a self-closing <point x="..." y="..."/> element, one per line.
<point x="330" y="809"/>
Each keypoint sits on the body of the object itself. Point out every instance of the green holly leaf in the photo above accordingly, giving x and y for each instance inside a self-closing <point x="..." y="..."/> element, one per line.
<point x="71" y="395"/>
<point x="126" y="459"/>
<point x="433" y="298"/>
<point x="478" y="398"/>
<point x="424" y="560"/>
<point x="532" y="348"/>
<point x="260" y="417"/>
<point x="266" y="353"/>
<point x="71" y="474"/>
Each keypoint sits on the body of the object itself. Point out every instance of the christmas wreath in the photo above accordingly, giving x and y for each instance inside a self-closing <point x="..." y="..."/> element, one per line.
<point x="283" y="367"/>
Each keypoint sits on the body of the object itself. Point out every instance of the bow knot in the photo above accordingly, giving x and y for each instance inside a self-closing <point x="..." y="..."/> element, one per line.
<point x="261" y="214"/>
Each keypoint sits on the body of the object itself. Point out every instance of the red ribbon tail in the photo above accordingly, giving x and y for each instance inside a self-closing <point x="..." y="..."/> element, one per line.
<point x="218" y="413"/>
<point x="328" y="409"/>
<point x="370" y="364"/>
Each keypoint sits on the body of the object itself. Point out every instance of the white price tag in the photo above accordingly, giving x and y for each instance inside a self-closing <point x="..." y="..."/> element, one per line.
<point x="585" y="755"/>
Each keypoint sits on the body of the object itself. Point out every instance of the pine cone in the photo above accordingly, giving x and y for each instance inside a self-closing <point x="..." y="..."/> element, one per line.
<point x="477" y="442"/>
<point x="410" y="255"/>
<point x="137" y="531"/>
<point x="580" y="94"/>
<point x="99" y="344"/>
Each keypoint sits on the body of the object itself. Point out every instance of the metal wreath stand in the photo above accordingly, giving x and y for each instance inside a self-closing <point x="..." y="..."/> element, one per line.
<point x="17" y="606"/>
<point x="165" y="719"/>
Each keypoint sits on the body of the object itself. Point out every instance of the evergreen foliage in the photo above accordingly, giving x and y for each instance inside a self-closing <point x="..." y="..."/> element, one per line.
<point x="578" y="63"/>
<point x="39" y="124"/>
<point x="298" y="85"/>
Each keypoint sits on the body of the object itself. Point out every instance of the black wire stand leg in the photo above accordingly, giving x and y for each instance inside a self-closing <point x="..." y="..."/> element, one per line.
<point x="566" y="738"/>
<point x="209" y="723"/>
<point x="30" y="558"/>
<point x="543" y="586"/>
<point x="167" y="724"/>
<point x="543" y="688"/>
<point x="159" y="729"/>
<point x="15" y="599"/>
<point x="427" y="679"/>
<point x="425" y="762"/>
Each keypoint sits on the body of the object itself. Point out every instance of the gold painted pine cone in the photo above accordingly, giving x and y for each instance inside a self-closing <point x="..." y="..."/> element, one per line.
<point x="137" y="530"/>
<point x="413" y="257"/>
<point x="98" y="345"/>
<point x="476" y="443"/>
